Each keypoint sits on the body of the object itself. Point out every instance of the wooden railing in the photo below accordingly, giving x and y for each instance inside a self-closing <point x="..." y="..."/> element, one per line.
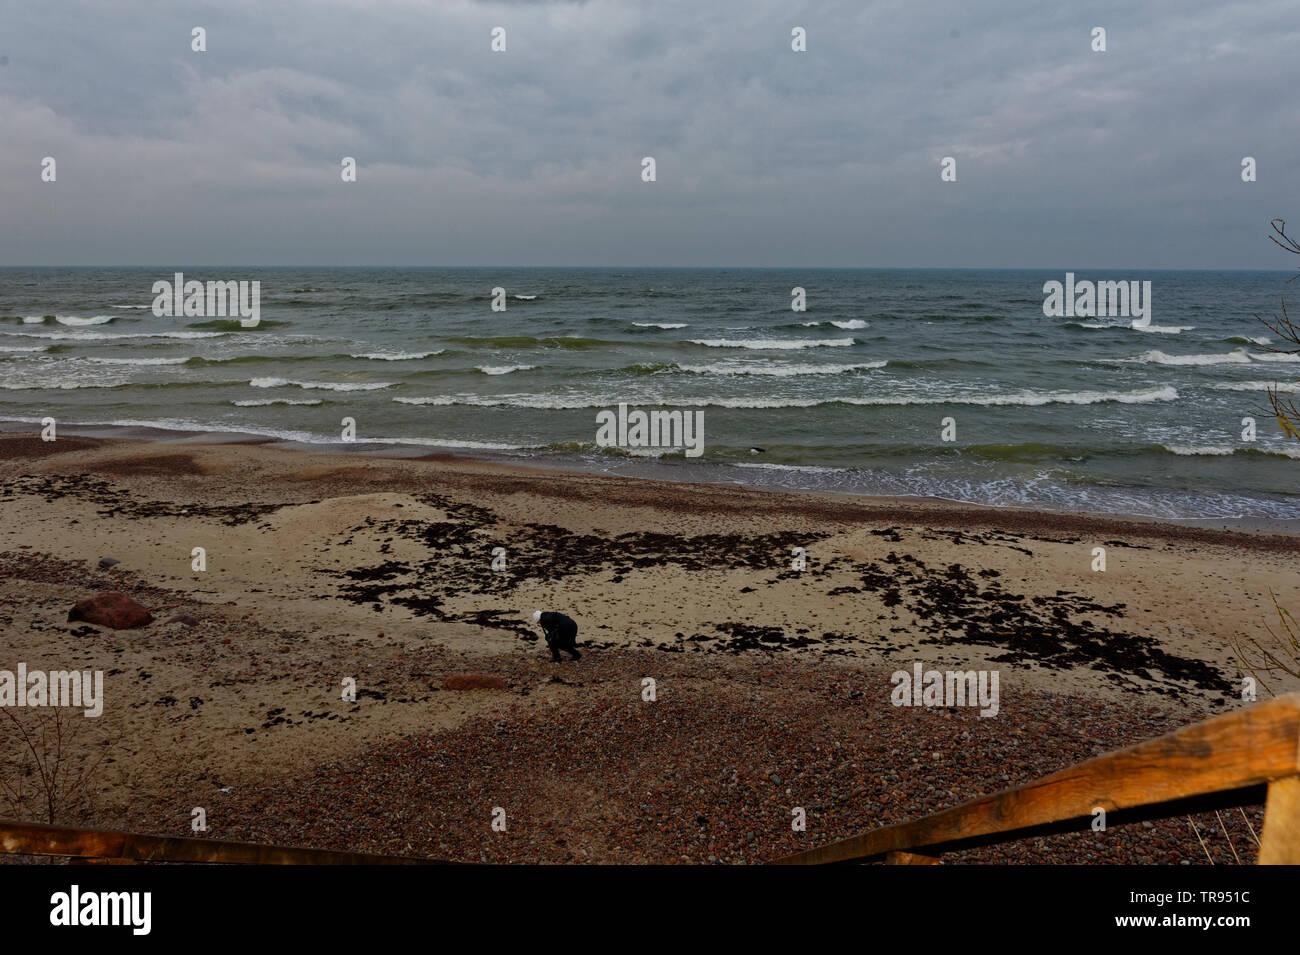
<point x="1237" y="759"/>
<point x="93" y="845"/>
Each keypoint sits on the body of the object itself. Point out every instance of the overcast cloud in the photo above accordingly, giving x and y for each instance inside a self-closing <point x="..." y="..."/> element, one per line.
<point x="1066" y="158"/>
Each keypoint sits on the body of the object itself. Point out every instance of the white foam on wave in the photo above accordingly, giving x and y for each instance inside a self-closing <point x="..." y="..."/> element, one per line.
<point x="1238" y="357"/>
<point x="1163" y="329"/>
<point x="791" y="370"/>
<point x="1291" y="387"/>
<point x="453" y="443"/>
<point x="1214" y="450"/>
<point x="1026" y="399"/>
<point x="1198" y="450"/>
<point x="399" y="356"/>
<point x="773" y="344"/>
<point x="1157" y="329"/>
<point x="259" y="402"/>
<point x="61" y="385"/>
<point x="75" y="320"/>
<point x="23" y="348"/>
<point x="132" y="307"/>
<point x="504" y="401"/>
<point x="112" y="336"/>
<point x="660" y="324"/>
<point x="1146" y="396"/>
<point x="134" y="361"/>
<point x="503" y="369"/>
<point x="805" y="468"/>
<point x="849" y="324"/>
<point x="181" y="424"/>
<point x="324" y="385"/>
<point x="1275" y="356"/>
<point x="525" y="298"/>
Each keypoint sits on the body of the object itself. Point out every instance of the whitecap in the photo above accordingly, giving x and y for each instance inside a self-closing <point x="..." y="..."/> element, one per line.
<point x="773" y="344"/>
<point x="777" y="370"/>
<point x="325" y="385"/>
<point x="1027" y="399"/>
<point x="399" y="356"/>
<point x="259" y="402"/>
<point x="503" y="369"/>
<point x="1238" y="357"/>
<point x="1283" y="386"/>
<point x="136" y="361"/>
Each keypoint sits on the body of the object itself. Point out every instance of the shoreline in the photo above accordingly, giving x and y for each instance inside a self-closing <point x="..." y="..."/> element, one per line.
<point x="647" y="470"/>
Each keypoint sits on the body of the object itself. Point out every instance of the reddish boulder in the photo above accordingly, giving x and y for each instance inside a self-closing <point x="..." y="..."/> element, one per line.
<point x="474" y="681"/>
<point x="111" y="609"/>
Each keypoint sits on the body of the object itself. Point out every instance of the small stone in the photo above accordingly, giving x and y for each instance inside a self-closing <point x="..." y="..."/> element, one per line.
<point x="188" y="620"/>
<point x="107" y="562"/>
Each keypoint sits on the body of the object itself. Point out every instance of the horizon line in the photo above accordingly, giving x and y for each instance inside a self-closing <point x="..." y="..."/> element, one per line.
<point x="772" y="268"/>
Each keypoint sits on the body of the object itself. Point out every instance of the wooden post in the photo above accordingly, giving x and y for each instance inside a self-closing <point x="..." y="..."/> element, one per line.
<point x="101" y="847"/>
<point x="99" y="861"/>
<point x="1239" y="752"/>
<point x="910" y="858"/>
<point x="1280" y="844"/>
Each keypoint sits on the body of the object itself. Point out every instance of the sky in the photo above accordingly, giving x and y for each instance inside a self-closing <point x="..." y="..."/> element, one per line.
<point x="764" y="157"/>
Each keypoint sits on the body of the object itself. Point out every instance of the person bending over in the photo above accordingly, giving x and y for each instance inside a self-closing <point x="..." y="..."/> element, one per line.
<point x="561" y="633"/>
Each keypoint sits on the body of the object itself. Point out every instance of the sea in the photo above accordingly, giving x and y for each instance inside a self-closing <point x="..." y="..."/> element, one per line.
<point x="948" y="384"/>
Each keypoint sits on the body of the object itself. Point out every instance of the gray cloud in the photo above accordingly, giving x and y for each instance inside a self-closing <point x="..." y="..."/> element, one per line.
<point x="1066" y="158"/>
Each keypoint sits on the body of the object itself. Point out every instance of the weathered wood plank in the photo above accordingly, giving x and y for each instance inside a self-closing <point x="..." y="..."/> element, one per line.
<point x="27" y="838"/>
<point x="1280" y="843"/>
<point x="1236" y="750"/>
<point x="910" y="858"/>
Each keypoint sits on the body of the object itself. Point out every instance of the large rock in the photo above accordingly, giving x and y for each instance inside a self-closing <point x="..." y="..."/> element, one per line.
<point x="474" y="681"/>
<point x="111" y="609"/>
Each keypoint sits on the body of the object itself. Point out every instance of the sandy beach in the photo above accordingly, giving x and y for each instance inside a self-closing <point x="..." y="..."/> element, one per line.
<point x="772" y="683"/>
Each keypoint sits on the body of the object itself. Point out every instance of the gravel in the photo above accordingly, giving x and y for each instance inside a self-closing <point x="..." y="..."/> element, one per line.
<point x="713" y="771"/>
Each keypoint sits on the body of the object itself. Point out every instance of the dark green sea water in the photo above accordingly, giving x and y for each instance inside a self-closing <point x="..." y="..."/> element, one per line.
<point x="1076" y="414"/>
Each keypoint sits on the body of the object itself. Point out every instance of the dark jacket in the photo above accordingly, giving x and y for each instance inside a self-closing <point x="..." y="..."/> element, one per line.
<point x="559" y="627"/>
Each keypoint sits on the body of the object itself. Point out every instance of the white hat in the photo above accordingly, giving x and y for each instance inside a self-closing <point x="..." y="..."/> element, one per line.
<point x="537" y="616"/>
